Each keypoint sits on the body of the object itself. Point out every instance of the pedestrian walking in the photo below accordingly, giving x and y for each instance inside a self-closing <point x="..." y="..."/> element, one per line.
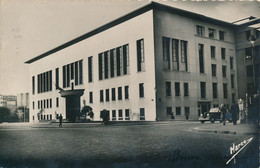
<point x="187" y="113"/>
<point x="60" y="120"/>
<point x="235" y="112"/>
<point x="223" y="112"/>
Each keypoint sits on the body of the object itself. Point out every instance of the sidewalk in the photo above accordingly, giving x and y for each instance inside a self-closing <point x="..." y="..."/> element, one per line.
<point x="229" y="128"/>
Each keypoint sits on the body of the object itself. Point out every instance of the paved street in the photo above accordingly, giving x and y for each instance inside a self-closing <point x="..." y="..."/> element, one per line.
<point x="164" y="144"/>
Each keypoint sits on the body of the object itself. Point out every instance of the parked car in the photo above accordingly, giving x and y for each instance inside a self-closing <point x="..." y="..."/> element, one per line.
<point x="213" y="115"/>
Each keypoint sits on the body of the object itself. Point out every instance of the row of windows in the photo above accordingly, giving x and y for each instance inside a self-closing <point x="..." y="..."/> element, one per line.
<point x="118" y="115"/>
<point x="73" y="71"/>
<point x="114" y="62"/>
<point x="213" y="51"/>
<point x="169" y="110"/>
<point x="173" y="51"/>
<point x="113" y="94"/>
<point x="212" y="33"/>
<point x="44" y="82"/>
<point x="177" y="89"/>
<point x="46" y="103"/>
<point x="214" y="90"/>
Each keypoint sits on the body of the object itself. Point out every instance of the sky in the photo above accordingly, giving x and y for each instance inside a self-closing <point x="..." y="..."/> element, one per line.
<point x="29" y="28"/>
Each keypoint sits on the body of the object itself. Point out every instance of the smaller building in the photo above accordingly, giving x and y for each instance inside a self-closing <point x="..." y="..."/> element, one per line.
<point x="23" y="107"/>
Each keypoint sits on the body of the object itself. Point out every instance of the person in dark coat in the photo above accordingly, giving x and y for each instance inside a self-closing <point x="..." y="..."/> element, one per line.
<point x="60" y="120"/>
<point x="223" y="112"/>
<point x="235" y="112"/>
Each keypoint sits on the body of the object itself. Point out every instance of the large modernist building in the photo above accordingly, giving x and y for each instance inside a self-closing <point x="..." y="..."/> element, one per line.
<point x="147" y="65"/>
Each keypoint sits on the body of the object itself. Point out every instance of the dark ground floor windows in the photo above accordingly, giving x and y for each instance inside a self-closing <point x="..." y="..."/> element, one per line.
<point x="142" y="113"/>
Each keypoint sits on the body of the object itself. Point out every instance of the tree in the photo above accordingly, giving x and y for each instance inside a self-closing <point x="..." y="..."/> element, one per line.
<point x="4" y="112"/>
<point x="86" y="110"/>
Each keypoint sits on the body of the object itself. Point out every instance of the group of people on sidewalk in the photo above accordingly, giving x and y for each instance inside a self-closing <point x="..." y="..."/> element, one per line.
<point x="234" y="111"/>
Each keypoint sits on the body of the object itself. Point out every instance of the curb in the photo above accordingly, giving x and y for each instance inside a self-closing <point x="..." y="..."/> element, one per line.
<point x="223" y="132"/>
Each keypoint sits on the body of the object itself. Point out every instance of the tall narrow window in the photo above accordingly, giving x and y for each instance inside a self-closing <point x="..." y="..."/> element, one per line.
<point x="211" y="33"/>
<point x="76" y="73"/>
<point x="223" y="53"/>
<point x="169" y="110"/>
<point x="80" y="72"/>
<point x="166" y="50"/>
<point x="141" y="90"/>
<point x="101" y="96"/>
<point x="215" y="90"/>
<point x="100" y="66"/>
<point x="221" y="35"/>
<point x="33" y="105"/>
<point x="178" y="110"/>
<point x="72" y="70"/>
<point x="213" y="51"/>
<point x="33" y="85"/>
<point x="175" y="53"/>
<point x="90" y="73"/>
<point x="225" y="90"/>
<point x="107" y="94"/>
<point x="140" y="54"/>
<point x="39" y="105"/>
<point x="90" y="97"/>
<point x="127" y="116"/>
<point x="125" y="59"/>
<point x="168" y="88"/>
<point x="249" y="70"/>
<point x="113" y="114"/>
<point x="119" y="93"/>
<point x="50" y="103"/>
<point x="126" y="92"/>
<point x="200" y="30"/>
<point x="203" y="90"/>
<point x="106" y="64"/>
<point x="214" y="69"/>
<point x="68" y="75"/>
<point x="38" y="84"/>
<point x="186" y="89"/>
<point x="118" y="61"/>
<point x="142" y="114"/>
<point x="231" y="63"/>
<point x="64" y="76"/>
<point x="113" y="94"/>
<point x="47" y="103"/>
<point x="177" y="89"/>
<point x="183" y="51"/>
<point x="248" y="53"/>
<point x="232" y="81"/>
<point x="57" y="102"/>
<point x="120" y="114"/>
<point x="112" y="63"/>
<point x="201" y="58"/>
<point x="224" y="71"/>
<point x="57" y="78"/>
<point x="50" y="81"/>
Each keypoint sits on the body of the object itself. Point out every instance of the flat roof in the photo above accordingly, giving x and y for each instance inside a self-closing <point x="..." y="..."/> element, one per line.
<point x="139" y="11"/>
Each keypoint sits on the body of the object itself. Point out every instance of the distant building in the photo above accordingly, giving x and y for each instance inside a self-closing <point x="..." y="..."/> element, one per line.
<point x="151" y="64"/>
<point x="23" y="106"/>
<point x="8" y="101"/>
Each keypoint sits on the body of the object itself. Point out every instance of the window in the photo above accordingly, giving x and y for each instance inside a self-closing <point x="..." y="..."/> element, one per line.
<point x="64" y="76"/>
<point x="68" y="75"/>
<point x="57" y="78"/>
<point x="233" y="97"/>
<point x="248" y="53"/>
<point x="214" y="69"/>
<point x="113" y="114"/>
<point x="200" y="30"/>
<point x="125" y="59"/>
<point x="140" y="54"/>
<point x="203" y="90"/>
<point x="223" y="53"/>
<point x="231" y="63"/>
<point x="249" y="70"/>
<point x="41" y="104"/>
<point x="90" y="73"/>
<point x="141" y="90"/>
<point x="184" y="54"/>
<point x="33" y="105"/>
<point x="50" y="116"/>
<point x="201" y="58"/>
<point x="127" y="116"/>
<point x="213" y="51"/>
<point x="250" y="88"/>
<point x="44" y="104"/>
<point x="221" y="35"/>
<point x="80" y="72"/>
<point x="119" y="93"/>
<point x="126" y="92"/>
<point x="118" y="60"/>
<point x="247" y="34"/>
<point x="106" y="64"/>
<point x="166" y="50"/>
<point x="169" y="110"/>
<point x="76" y="73"/>
<point x="112" y="63"/>
<point x="57" y="102"/>
<point x="50" y="103"/>
<point x="101" y="95"/>
<point x="47" y="103"/>
<point x="70" y="72"/>
<point x="232" y="81"/>
<point x="100" y="66"/>
<point x="211" y="33"/>
<point x="120" y="115"/>
<point x="225" y="90"/>
<point x="113" y="94"/>
<point x="186" y="89"/>
<point x="224" y="71"/>
<point x="90" y="97"/>
<point x="177" y="89"/>
<point x="215" y="90"/>
<point x="44" y="82"/>
<point x="178" y="110"/>
<point x="168" y="88"/>
<point x="142" y="114"/>
<point x="107" y="94"/>
<point x="175" y="52"/>
<point x="38" y="104"/>
<point x="33" y="85"/>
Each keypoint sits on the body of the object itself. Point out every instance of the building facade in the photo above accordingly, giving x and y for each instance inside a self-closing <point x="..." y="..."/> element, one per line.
<point x="151" y="64"/>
